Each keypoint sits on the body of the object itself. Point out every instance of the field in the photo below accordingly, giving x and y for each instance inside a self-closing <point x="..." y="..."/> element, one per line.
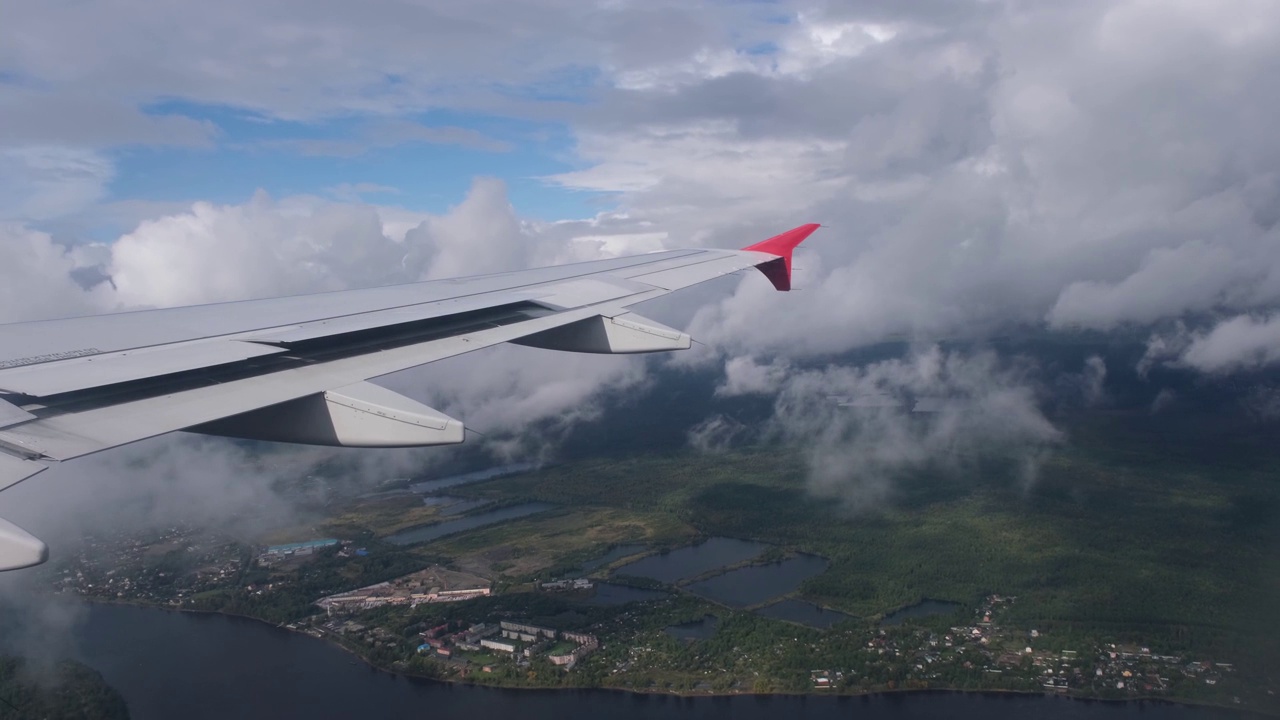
<point x="1136" y="531"/>
<point x="1131" y="528"/>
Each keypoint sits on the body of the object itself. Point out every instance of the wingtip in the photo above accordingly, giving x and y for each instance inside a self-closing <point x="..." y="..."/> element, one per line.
<point x="778" y="270"/>
<point x="783" y="243"/>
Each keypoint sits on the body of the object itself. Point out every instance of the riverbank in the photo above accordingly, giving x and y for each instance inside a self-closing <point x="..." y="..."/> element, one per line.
<point x="473" y="682"/>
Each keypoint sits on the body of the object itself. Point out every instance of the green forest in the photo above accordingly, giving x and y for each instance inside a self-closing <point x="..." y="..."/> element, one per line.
<point x="1135" y="529"/>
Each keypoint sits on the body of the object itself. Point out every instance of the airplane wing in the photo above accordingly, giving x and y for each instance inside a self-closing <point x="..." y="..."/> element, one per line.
<point x="295" y="369"/>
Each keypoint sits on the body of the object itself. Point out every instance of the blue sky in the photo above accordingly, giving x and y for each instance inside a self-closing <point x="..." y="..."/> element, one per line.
<point x="283" y="157"/>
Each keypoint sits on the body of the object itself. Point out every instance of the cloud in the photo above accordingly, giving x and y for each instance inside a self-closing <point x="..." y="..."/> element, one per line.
<point x="393" y="133"/>
<point x="1170" y="281"/>
<point x="269" y="247"/>
<point x="523" y="400"/>
<point x="717" y="434"/>
<point x="38" y="182"/>
<point x="982" y="406"/>
<point x="44" y="117"/>
<point x="36" y="278"/>
<point x="480" y="235"/>
<point x="978" y="166"/>
<point x="355" y="192"/>
<point x="262" y="248"/>
<point x="1242" y="342"/>
<point x="1012" y="165"/>
<point x="304" y="60"/>
<point x="746" y="376"/>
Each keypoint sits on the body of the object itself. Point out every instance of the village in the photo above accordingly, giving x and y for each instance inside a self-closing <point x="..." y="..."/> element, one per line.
<point x="162" y="566"/>
<point x="176" y="564"/>
<point x="521" y="641"/>
<point x="1005" y="655"/>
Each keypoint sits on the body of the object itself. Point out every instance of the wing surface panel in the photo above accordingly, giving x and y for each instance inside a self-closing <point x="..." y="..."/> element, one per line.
<point x="91" y="371"/>
<point x="30" y="343"/>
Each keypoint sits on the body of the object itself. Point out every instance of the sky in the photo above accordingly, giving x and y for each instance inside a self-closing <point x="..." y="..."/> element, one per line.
<point x="978" y="165"/>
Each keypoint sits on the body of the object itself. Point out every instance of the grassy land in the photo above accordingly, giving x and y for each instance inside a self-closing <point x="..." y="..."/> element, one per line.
<point x="1160" y="531"/>
<point x="1131" y="528"/>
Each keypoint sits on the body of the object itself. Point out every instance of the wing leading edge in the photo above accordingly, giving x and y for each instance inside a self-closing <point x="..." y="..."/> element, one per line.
<point x="294" y="369"/>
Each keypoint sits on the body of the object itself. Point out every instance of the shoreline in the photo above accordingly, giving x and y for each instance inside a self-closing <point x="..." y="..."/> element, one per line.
<point x="1243" y="712"/>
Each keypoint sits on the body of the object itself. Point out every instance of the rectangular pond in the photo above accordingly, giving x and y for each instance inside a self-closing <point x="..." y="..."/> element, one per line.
<point x="755" y="584"/>
<point x="695" y="560"/>
<point x="616" y="553"/>
<point x="430" y="486"/>
<point x="606" y="593"/>
<point x="427" y="533"/>
<point x="452" y="505"/>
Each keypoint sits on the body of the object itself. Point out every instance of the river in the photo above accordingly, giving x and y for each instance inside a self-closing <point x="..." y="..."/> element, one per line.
<point x="170" y="665"/>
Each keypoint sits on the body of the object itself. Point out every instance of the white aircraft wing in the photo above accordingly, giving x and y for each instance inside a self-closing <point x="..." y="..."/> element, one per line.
<point x="294" y="369"/>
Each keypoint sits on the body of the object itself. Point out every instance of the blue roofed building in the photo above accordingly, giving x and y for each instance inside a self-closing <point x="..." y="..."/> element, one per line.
<point x="301" y="548"/>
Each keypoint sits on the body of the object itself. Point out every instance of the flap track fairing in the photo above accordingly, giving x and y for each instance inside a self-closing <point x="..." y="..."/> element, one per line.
<point x="359" y="415"/>
<point x="623" y="333"/>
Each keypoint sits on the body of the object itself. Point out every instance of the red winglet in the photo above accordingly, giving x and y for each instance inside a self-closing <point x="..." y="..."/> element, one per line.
<point x="779" y="271"/>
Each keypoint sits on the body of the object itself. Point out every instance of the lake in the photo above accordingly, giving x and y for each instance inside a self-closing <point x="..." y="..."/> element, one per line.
<point x="804" y="613"/>
<point x="925" y="608"/>
<point x="426" y="533"/>
<point x="202" y="667"/>
<point x="755" y="584"/>
<point x="692" y="561"/>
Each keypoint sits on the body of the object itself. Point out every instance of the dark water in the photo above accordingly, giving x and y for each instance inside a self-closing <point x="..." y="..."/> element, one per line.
<point x="202" y="667"/>
<point x="613" y="594"/>
<point x="692" y="561"/>
<point x="616" y="553"/>
<point x="696" y="630"/>
<point x="799" y="611"/>
<point x="451" y="505"/>
<point x="919" y="610"/>
<point x="430" y="486"/>
<point x="755" y="584"/>
<point x="426" y="533"/>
